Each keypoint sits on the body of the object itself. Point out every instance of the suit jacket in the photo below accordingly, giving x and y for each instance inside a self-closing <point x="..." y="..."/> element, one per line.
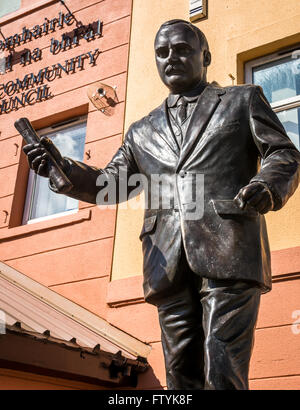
<point x="234" y="138"/>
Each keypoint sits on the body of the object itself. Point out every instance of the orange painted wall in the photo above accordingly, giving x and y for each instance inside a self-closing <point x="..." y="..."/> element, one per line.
<point x="72" y="257"/>
<point x="71" y="254"/>
<point x="18" y="380"/>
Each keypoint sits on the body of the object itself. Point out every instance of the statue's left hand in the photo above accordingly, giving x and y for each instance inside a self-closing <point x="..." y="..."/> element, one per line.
<point x="257" y="195"/>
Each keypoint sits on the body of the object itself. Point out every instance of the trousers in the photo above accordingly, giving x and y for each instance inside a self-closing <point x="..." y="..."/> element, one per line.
<point x="207" y="330"/>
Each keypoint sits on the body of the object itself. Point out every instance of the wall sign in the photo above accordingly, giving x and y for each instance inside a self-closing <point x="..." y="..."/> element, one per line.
<point x="37" y="31"/>
<point x="34" y="87"/>
<point x="198" y="9"/>
<point x="30" y="95"/>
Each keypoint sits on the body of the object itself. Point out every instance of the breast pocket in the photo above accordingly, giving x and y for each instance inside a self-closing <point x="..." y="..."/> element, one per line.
<point x="149" y="226"/>
<point x="228" y="127"/>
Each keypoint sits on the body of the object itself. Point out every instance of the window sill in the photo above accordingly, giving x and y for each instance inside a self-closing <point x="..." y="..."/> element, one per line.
<point x="123" y="292"/>
<point x="59" y="222"/>
<point x="54" y="216"/>
<point x="286" y="263"/>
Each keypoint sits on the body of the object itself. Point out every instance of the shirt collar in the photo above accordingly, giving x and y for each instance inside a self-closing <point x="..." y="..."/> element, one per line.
<point x="190" y="96"/>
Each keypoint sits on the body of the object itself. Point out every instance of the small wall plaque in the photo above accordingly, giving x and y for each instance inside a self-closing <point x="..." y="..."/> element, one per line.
<point x="198" y="9"/>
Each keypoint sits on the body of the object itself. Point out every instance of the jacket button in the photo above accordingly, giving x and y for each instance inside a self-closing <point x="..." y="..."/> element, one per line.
<point x="182" y="174"/>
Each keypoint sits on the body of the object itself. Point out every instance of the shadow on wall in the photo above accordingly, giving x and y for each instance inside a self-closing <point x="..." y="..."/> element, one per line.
<point x="149" y="381"/>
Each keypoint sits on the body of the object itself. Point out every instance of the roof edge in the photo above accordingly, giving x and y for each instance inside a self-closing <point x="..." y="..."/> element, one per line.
<point x="74" y="311"/>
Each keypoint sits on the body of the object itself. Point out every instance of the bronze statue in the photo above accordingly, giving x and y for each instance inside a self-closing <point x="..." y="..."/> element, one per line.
<point x="205" y="274"/>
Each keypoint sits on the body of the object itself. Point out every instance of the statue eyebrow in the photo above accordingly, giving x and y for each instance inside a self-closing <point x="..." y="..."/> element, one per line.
<point x="180" y="43"/>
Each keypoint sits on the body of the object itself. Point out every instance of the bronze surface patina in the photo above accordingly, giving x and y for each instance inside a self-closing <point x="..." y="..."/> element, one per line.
<point x="204" y="272"/>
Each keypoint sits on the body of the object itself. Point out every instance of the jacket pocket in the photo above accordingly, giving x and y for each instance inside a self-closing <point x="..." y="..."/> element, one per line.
<point x="149" y="226"/>
<point x="229" y="207"/>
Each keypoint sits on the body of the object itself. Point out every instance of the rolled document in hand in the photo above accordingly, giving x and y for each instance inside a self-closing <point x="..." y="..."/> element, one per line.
<point x="56" y="174"/>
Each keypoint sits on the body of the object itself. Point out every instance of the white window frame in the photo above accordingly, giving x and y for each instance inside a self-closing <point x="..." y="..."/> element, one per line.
<point x="31" y="177"/>
<point x="281" y="105"/>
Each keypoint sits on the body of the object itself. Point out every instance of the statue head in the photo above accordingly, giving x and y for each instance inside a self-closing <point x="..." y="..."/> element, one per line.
<point x="182" y="55"/>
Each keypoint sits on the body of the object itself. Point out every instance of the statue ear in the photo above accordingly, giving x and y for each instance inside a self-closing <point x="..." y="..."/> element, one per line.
<point x="207" y="58"/>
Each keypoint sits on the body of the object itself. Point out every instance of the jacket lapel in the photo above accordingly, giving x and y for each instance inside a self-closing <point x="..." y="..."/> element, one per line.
<point x="206" y="105"/>
<point x="159" y="120"/>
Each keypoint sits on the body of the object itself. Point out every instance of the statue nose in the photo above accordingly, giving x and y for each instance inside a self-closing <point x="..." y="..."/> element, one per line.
<point x="172" y="55"/>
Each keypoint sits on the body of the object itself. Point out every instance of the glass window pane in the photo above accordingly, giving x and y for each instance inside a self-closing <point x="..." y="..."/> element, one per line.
<point x="291" y="121"/>
<point x="70" y="141"/>
<point x="9" y="6"/>
<point x="279" y="79"/>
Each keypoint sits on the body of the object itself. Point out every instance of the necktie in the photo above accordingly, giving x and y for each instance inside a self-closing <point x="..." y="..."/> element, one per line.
<point x="181" y="110"/>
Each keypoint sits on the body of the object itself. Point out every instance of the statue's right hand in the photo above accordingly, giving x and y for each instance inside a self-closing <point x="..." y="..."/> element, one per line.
<point x="38" y="157"/>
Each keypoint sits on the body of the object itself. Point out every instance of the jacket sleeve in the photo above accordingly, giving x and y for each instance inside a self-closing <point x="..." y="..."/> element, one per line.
<point x="280" y="166"/>
<point x="102" y="186"/>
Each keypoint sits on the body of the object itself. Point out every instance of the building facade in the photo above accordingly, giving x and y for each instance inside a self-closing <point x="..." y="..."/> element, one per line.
<point x="51" y="53"/>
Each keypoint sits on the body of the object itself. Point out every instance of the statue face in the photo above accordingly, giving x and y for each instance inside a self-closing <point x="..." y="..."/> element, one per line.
<point x="179" y="58"/>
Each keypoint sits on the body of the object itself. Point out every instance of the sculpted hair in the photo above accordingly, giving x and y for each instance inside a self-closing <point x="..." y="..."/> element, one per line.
<point x="195" y="29"/>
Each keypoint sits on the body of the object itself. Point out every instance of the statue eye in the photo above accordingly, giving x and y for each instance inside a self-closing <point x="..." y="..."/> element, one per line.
<point x="162" y="52"/>
<point x="183" y="49"/>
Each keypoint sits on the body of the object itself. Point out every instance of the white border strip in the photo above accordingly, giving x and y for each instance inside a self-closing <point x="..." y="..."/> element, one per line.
<point x="198" y="9"/>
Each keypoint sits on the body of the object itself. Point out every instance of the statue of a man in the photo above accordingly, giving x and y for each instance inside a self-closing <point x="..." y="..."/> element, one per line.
<point x="205" y="273"/>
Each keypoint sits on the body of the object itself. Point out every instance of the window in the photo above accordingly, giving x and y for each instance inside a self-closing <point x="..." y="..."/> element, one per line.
<point x="279" y="76"/>
<point x="7" y="7"/>
<point x="41" y="202"/>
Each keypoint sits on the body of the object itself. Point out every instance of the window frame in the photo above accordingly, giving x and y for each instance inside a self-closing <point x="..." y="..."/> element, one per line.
<point x="14" y="7"/>
<point x="281" y="105"/>
<point x="32" y="176"/>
